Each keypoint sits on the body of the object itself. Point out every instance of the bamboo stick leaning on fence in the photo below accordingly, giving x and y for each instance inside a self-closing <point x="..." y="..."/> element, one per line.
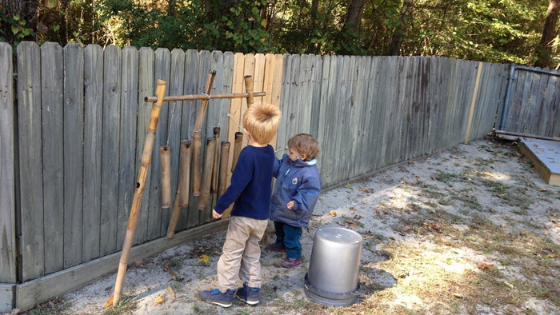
<point x="137" y="199"/>
<point x="165" y="166"/>
<point x="174" y="216"/>
<point x="207" y="174"/>
<point x="215" y="168"/>
<point x="222" y="182"/>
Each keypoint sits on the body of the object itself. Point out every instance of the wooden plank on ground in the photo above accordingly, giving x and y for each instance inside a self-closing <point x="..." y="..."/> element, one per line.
<point x="73" y="154"/>
<point x="93" y="119"/>
<point x="7" y="169"/>
<point x="7" y="295"/>
<point x="146" y="84"/>
<point x="110" y="148"/>
<point x="192" y="70"/>
<point x="127" y="137"/>
<point x="158" y="218"/>
<point x="52" y="102"/>
<point x="544" y="155"/>
<point x="34" y="292"/>
<point x="30" y="151"/>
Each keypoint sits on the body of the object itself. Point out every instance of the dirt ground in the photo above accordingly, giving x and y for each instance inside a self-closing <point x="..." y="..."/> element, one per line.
<point x="470" y="230"/>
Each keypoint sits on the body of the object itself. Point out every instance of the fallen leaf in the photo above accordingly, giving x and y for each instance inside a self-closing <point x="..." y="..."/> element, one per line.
<point x="367" y="190"/>
<point x="349" y="186"/>
<point x="109" y="303"/>
<point x="508" y="284"/>
<point x="352" y="224"/>
<point x="458" y="295"/>
<point x="170" y="290"/>
<point x="377" y="211"/>
<point x="204" y="258"/>
<point x="406" y="228"/>
<point x="332" y="213"/>
<point x="160" y="300"/>
<point x="352" y="209"/>
<point x="551" y="255"/>
<point x="165" y="267"/>
<point x="173" y="275"/>
<point x="421" y="231"/>
<point x="484" y="266"/>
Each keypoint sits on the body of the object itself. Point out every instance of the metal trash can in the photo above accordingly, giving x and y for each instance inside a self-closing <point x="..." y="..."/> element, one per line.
<point x="332" y="278"/>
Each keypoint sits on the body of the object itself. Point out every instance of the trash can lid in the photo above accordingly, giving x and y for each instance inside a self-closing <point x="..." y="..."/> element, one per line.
<point x="339" y="235"/>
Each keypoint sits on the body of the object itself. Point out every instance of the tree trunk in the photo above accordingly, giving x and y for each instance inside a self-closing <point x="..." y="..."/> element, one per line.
<point x="549" y="34"/>
<point x="396" y="41"/>
<point x="312" y="47"/>
<point x="353" y="15"/>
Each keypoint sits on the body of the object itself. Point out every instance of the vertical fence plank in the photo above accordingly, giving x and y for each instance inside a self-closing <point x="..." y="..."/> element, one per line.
<point x="158" y="218"/>
<point x="551" y="105"/>
<point x="259" y="76"/>
<point x="93" y="81"/>
<point x="31" y="179"/>
<point x="189" y="116"/>
<point x="286" y="91"/>
<point x="315" y="99"/>
<point x="127" y="138"/>
<point x="73" y="153"/>
<point x="110" y="149"/>
<point x="7" y="166"/>
<point x="146" y="84"/>
<point x="204" y="61"/>
<point x="325" y="118"/>
<point x="52" y="102"/>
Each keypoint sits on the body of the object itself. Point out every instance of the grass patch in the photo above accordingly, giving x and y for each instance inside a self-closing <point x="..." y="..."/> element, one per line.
<point x="126" y="305"/>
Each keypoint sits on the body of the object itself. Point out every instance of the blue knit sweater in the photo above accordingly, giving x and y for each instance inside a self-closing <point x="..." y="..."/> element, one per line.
<point x="251" y="184"/>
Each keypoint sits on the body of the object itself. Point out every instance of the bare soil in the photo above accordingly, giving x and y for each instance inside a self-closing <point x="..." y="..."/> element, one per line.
<point x="470" y="230"/>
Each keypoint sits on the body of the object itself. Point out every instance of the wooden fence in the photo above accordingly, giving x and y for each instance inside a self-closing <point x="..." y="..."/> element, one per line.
<point x="70" y="145"/>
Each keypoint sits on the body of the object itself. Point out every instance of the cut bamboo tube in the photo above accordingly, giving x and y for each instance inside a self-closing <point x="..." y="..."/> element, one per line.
<point x="215" y="168"/>
<point x="185" y="173"/>
<point x="222" y="183"/>
<point x="249" y="89"/>
<point x="236" y="148"/>
<point x="196" y="160"/>
<point x="207" y="174"/>
<point x="196" y="97"/>
<point x="137" y="199"/>
<point x="165" y="166"/>
<point x="201" y="112"/>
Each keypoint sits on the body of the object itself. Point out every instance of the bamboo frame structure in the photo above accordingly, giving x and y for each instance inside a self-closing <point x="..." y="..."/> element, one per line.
<point x="165" y="167"/>
<point x="207" y="174"/>
<point x="196" y="97"/>
<point x="137" y="199"/>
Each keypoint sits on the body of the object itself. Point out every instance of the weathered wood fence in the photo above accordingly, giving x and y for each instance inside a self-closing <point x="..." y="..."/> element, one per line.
<point x="73" y="125"/>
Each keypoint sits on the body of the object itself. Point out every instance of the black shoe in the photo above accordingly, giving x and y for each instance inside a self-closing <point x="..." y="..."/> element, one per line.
<point x="248" y="295"/>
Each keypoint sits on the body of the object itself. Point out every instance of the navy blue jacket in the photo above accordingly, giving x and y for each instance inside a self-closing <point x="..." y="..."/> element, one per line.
<point x="251" y="184"/>
<point x="299" y="181"/>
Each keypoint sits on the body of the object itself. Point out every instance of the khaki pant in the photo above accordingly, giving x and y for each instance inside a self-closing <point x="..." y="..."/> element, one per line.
<point x="241" y="253"/>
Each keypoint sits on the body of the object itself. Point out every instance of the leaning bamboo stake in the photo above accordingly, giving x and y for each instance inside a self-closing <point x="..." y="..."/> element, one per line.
<point x="236" y="148"/>
<point x="137" y="199"/>
<point x="165" y="166"/>
<point x="207" y="178"/>
<point x="174" y="216"/>
<point x="249" y="89"/>
<point x="185" y="173"/>
<point x="196" y="160"/>
<point x="215" y="168"/>
<point x="222" y="182"/>
<point x="201" y="112"/>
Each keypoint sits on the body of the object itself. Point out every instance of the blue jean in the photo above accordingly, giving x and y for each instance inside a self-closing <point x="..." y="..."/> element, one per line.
<point x="288" y="236"/>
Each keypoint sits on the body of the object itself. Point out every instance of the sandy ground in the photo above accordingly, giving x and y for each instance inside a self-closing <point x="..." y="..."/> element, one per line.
<point x="170" y="283"/>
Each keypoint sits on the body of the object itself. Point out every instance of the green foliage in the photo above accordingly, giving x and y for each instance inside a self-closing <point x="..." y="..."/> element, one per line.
<point x="13" y="28"/>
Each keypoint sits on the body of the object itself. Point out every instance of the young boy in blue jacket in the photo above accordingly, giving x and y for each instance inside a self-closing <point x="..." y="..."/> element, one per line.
<point x="295" y="194"/>
<point x="249" y="192"/>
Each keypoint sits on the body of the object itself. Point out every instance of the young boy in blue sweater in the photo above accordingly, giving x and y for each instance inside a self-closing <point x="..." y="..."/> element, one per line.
<point x="295" y="194"/>
<point x="249" y="192"/>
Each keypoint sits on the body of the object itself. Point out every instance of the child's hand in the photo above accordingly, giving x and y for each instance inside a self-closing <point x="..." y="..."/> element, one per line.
<point x="215" y="214"/>
<point x="290" y="205"/>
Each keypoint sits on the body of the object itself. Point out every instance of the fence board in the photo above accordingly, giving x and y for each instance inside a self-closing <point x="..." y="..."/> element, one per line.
<point x="159" y="218"/>
<point x="204" y="62"/>
<point x="110" y="148"/>
<point x="93" y="81"/>
<point x="146" y="84"/>
<point x="31" y="179"/>
<point x="52" y="67"/>
<point x="551" y="105"/>
<point x="192" y="71"/>
<point x="73" y="154"/>
<point x="315" y="99"/>
<point x="127" y="138"/>
<point x="8" y="187"/>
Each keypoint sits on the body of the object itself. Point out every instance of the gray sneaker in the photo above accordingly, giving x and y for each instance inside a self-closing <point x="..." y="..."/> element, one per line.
<point x="217" y="297"/>
<point x="248" y="294"/>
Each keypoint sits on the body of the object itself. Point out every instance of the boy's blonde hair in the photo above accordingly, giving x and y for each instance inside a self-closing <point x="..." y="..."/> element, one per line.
<point x="261" y="121"/>
<point x="304" y="144"/>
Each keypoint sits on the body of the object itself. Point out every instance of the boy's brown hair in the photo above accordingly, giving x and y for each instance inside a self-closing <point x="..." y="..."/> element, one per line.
<point x="304" y="144"/>
<point x="261" y="121"/>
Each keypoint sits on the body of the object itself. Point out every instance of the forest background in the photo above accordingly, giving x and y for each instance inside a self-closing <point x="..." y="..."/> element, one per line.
<point x="523" y="32"/>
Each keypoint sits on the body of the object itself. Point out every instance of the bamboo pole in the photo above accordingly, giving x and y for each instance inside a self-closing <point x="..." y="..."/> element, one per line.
<point x="165" y="166"/>
<point x="236" y="149"/>
<point x="185" y="173"/>
<point x="249" y="89"/>
<point x="137" y="199"/>
<point x="215" y="169"/>
<point x="201" y="112"/>
<point x="196" y="97"/>
<point x="222" y="182"/>
<point x="207" y="178"/>
<point x="196" y="160"/>
<point x="174" y="216"/>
